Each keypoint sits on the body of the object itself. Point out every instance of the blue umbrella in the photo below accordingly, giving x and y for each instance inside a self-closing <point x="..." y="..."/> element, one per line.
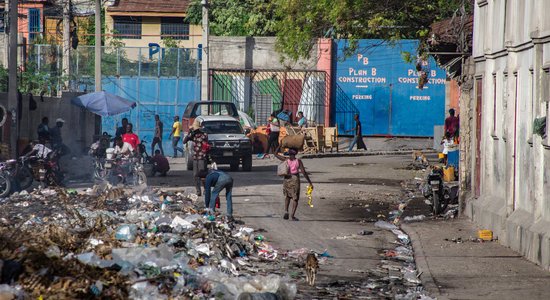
<point x="103" y="103"/>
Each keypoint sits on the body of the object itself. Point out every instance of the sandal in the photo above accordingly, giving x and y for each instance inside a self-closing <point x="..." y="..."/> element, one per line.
<point x="285" y="216"/>
<point x="295" y="219"/>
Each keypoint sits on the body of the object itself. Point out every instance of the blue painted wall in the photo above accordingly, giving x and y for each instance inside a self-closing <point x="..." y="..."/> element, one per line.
<point x="165" y="96"/>
<point x="383" y="87"/>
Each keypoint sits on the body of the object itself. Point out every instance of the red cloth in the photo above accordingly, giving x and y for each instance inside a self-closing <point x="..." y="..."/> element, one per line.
<point x="132" y="139"/>
<point x="451" y="125"/>
<point x="162" y="163"/>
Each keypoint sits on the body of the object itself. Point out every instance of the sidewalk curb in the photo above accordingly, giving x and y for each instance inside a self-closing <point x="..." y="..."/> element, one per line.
<point x="426" y="276"/>
<point x="366" y="153"/>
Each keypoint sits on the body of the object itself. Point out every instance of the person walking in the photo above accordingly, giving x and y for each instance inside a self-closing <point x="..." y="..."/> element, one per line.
<point x="219" y="180"/>
<point x="357" y="138"/>
<point x="200" y="149"/>
<point x="158" y="135"/>
<point x="291" y="182"/>
<point x="175" y="135"/>
<point x="274" y="126"/>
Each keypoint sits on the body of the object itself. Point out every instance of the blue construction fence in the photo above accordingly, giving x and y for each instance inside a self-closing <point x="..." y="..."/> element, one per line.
<point x="383" y="89"/>
<point x="161" y="82"/>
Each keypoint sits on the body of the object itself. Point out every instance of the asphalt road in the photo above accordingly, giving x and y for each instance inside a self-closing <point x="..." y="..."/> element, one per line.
<point x="349" y="194"/>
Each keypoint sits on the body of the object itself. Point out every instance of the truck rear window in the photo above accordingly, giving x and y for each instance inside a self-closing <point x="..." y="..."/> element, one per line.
<point x="214" y="127"/>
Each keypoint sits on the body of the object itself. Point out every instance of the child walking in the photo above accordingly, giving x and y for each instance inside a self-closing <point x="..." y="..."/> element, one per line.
<point x="291" y="182"/>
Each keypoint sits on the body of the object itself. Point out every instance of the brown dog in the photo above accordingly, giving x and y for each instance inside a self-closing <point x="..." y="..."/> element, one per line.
<point x="418" y="156"/>
<point x="312" y="264"/>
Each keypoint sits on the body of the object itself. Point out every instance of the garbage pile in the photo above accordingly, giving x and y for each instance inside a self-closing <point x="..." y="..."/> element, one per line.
<point x="116" y="243"/>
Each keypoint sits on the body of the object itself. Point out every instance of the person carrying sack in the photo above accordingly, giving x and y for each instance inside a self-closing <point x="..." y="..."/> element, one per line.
<point x="290" y="169"/>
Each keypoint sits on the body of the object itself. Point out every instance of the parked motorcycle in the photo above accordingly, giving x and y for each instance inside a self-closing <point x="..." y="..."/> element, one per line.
<point x="435" y="191"/>
<point x="124" y="170"/>
<point x="5" y="180"/>
<point x="97" y="152"/>
<point x="33" y="168"/>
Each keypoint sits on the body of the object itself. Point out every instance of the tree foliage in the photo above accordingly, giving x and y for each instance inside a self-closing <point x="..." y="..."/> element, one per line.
<point x="237" y="17"/>
<point x="301" y="22"/>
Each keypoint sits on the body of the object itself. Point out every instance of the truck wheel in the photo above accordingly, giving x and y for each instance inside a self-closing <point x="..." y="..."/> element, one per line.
<point x="234" y="165"/>
<point x="247" y="163"/>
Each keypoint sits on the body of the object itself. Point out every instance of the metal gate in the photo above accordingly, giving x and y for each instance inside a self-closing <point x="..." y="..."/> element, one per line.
<point x="383" y="87"/>
<point x="261" y="92"/>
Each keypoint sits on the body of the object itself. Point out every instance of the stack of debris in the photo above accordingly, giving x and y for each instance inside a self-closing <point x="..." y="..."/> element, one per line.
<point x="116" y="243"/>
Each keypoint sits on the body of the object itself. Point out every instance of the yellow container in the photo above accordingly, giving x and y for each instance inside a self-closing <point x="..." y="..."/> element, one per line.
<point x="485" y="234"/>
<point x="441" y="155"/>
<point x="449" y="174"/>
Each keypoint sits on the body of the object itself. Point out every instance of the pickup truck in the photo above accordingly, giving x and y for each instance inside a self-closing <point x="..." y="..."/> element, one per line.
<point x="204" y="108"/>
<point x="228" y="143"/>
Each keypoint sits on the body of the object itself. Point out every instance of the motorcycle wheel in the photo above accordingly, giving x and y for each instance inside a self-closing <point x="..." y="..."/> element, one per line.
<point x="24" y="176"/>
<point x="439" y="203"/>
<point x="5" y="186"/>
<point x="113" y="179"/>
<point x="140" y="178"/>
<point x="100" y="173"/>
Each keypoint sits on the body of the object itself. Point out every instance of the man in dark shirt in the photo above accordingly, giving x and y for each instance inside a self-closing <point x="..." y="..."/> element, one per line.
<point x="160" y="164"/>
<point x="452" y="124"/>
<point x="44" y="129"/>
<point x="57" y="139"/>
<point x="200" y="149"/>
<point x="357" y="138"/>
<point x="158" y="135"/>
<point x="122" y="129"/>
<point x="219" y="180"/>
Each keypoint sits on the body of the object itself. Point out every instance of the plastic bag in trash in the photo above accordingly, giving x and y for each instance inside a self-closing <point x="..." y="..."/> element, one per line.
<point x="145" y="291"/>
<point x="126" y="232"/>
<point x="259" y="296"/>
<point x="385" y="225"/>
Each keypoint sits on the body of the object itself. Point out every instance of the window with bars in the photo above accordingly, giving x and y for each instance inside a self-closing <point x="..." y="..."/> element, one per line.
<point x="34" y="23"/>
<point x="2" y="19"/>
<point x="174" y="28"/>
<point x="127" y="27"/>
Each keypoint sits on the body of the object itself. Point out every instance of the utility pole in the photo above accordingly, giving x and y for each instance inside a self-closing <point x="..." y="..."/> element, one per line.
<point x="205" y="86"/>
<point x="12" y="76"/>
<point x="98" y="46"/>
<point x="66" y="41"/>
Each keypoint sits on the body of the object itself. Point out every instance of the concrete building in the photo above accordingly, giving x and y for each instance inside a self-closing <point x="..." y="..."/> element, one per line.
<point x="508" y="187"/>
<point x="138" y="23"/>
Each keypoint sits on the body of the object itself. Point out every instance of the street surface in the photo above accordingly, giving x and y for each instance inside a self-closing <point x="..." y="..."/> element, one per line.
<point x="349" y="195"/>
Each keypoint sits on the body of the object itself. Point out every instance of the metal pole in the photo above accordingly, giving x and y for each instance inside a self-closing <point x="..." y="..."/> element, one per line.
<point x="66" y="41"/>
<point x="98" y="87"/>
<point x="205" y="86"/>
<point x="12" y="75"/>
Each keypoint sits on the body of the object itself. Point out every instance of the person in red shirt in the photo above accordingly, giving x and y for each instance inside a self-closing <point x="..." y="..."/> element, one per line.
<point x="160" y="164"/>
<point x="452" y="124"/>
<point x="131" y="138"/>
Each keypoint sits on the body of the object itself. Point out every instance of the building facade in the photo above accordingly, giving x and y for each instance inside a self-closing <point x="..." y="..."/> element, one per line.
<point x="508" y="165"/>
<point x="139" y="23"/>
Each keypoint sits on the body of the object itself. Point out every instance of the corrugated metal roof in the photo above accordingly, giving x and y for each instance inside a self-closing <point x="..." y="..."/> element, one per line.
<point x="161" y="6"/>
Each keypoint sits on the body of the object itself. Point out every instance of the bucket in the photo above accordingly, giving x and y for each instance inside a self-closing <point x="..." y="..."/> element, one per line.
<point x="449" y="174"/>
<point x="293" y="141"/>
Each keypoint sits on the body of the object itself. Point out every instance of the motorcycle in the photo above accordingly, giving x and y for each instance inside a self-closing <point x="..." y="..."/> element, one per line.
<point x="124" y="170"/>
<point x="435" y="191"/>
<point x="5" y="179"/>
<point x="46" y="171"/>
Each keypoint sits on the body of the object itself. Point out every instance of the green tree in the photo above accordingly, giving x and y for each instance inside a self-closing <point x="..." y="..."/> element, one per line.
<point x="301" y="22"/>
<point x="237" y="17"/>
